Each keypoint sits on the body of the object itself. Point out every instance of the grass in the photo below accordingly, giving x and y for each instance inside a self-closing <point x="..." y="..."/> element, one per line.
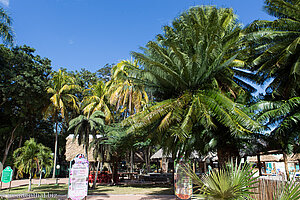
<point x="62" y="189"/>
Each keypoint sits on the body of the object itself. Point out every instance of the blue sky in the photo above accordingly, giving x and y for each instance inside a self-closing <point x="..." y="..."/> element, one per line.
<point x="77" y="34"/>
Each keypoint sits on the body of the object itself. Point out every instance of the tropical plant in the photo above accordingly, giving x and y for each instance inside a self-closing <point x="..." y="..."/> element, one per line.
<point x="124" y="93"/>
<point x="45" y="161"/>
<point x="189" y="70"/>
<point x="233" y="182"/>
<point x="62" y="98"/>
<point x="85" y="126"/>
<point x="96" y="99"/>
<point x="288" y="191"/>
<point x="30" y="157"/>
<point x="6" y="31"/>
<point x="274" y="48"/>
<point x="284" y="115"/>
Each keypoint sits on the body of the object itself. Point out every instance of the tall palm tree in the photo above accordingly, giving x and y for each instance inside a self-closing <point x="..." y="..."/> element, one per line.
<point x="6" y="31"/>
<point x="85" y="126"/>
<point x="127" y="97"/>
<point x="274" y="48"/>
<point x="189" y="71"/>
<point x="62" y="99"/>
<point x="28" y="158"/>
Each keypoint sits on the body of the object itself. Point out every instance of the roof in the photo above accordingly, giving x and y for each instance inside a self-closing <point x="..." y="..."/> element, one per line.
<point x="73" y="149"/>
<point x="266" y="158"/>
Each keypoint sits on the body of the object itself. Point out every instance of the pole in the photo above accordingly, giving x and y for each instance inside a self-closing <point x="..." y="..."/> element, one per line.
<point x="69" y="177"/>
<point x="9" y="185"/>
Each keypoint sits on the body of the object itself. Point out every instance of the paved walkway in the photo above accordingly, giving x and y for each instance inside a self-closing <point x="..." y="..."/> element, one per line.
<point x="18" y="183"/>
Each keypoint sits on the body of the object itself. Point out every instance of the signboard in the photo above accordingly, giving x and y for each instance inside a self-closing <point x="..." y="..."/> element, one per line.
<point x="7" y="175"/>
<point x="78" y="178"/>
<point x="183" y="183"/>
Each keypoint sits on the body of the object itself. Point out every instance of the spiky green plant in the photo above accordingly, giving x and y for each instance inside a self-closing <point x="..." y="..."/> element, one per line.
<point x="288" y="191"/>
<point x="230" y="183"/>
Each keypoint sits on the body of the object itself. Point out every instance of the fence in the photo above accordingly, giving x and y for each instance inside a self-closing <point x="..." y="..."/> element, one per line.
<point x="266" y="187"/>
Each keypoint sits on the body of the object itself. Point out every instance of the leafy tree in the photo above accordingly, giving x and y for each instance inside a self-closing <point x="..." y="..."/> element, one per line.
<point x="273" y="48"/>
<point x="23" y="81"/>
<point x="31" y="156"/>
<point x="62" y="99"/>
<point x="104" y="73"/>
<point x="6" y="31"/>
<point x="189" y="71"/>
<point x="85" y="126"/>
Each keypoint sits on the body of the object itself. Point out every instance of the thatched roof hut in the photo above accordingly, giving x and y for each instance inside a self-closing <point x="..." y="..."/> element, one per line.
<point x="266" y="158"/>
<point x="73" y="149"/>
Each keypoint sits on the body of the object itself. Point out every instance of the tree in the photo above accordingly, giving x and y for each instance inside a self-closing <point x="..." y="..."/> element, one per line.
<point x="6" y="31"/>
<point x="62" y="98"/>
<point x="29" y="157"/>
<point x="189" y="71"/>
<point x="95" y="99"/>
<point x="23" y="81"/>
<point x="85" y="126"/>
<point x="273" y="48"/>
<point x="45" y="161"/>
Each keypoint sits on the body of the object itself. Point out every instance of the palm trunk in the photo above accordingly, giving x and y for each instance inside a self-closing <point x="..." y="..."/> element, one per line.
<point x="148" y="159"/>
<point x="29" y="187"/>
<point x="96" y="175"/>
<point x="9" y="143"/>
<point x="131" y="161"/>
<point x="286" y="166"/>
<point x="55" y="149"/>
<point x="41" y="171"/>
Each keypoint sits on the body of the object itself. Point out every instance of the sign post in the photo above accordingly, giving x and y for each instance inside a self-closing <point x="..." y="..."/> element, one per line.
<point x="7" y="176"/>
<point x="78" y="178"/>
<point x="182" y="182"/>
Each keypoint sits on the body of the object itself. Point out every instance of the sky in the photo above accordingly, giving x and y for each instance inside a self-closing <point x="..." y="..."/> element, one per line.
<point x="77" y="34"/>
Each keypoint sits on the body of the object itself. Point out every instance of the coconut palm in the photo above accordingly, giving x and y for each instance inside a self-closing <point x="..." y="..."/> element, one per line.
<point x="274" y="48"/>
<point x="6" y="32"/>
<point x="124" y="93"/>
<point x="97" y="100"/>
<point x="85" y="126"/>
<point x="29" y="157"/>
<point x="285" y="116"/>
<point x="189" y="71"/>
<point x="62" y="99"/>
<point x="233" y="182"/>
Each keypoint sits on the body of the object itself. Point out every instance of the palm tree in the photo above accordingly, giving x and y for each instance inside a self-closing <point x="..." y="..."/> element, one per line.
<point x="6" y="32"/>
<point x="124" y="93"/>
<point x="28" y="158"/>
<point x="285" y="116"/>
<point x="127" y="97"/>
<point x="189" y="71"/>
<point x="96" y="100"/>
<point x="45" y="162"/>
<point x="274" y="48"/>
<point x="62" y="98"/>
<point x="84" y="126"/>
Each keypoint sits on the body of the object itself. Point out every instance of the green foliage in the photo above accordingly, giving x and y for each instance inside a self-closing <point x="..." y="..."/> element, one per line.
<point x="288" y="191"/>
<point x="233" y="182"/>
<point x="6" y="31"/>
<point x="33" y="156"/>
<point x="273" y="48"/>
<point x="84" y="126"/>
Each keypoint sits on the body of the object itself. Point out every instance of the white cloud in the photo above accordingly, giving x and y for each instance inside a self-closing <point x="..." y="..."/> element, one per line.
<point x="70" y="41"/>
<point x="5" y="2"/>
